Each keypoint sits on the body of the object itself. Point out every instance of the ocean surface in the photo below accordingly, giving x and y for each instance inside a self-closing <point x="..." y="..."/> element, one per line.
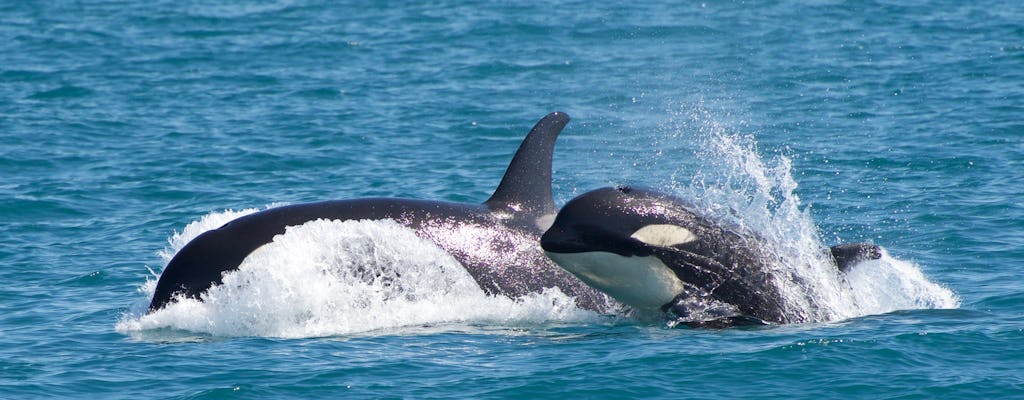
<point x="127" y="128"/>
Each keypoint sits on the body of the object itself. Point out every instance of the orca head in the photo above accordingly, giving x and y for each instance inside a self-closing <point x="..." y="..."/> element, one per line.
<point x="614" y="240"/>
<point x="652" y="251"/>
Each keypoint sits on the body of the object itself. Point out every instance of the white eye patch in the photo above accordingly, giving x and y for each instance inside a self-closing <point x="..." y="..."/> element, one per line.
<point x="664" y="235"/>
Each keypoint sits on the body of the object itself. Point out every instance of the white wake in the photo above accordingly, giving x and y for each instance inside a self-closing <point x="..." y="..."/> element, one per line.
<point x="327" y="278"/>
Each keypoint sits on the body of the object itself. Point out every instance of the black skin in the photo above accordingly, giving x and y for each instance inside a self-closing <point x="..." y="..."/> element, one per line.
<point x="522" y="198"/>
<point x="849" y="254"/>
<point x="202" y="263"/>
<point x="726" y="263"/>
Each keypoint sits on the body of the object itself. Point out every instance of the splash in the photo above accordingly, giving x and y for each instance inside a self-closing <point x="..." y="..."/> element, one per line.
<point x="734" y="183"/>
<point x="890" y="284"/>
<point x="327" y="278"/>
<point x="210" y="221"/>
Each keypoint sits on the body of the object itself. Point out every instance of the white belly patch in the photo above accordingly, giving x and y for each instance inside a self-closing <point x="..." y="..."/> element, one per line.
<point x="640" y="282"/>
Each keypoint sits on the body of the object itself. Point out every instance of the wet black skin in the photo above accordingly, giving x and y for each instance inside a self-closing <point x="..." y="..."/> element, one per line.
<point x="725" y="263"/>
<point x="511" y="215"/>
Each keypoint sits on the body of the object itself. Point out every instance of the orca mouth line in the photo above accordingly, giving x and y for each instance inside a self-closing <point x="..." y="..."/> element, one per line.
<point x="584" y="239"/>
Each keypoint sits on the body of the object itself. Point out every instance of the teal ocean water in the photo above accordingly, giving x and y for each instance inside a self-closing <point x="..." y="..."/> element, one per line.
<point x="128" y="127"/>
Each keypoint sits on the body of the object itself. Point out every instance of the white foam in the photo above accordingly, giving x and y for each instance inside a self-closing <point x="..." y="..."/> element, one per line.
<point x="736" y="184"/>
<point x="889" y="284"/>
<point x="328" y="278"/>
<point x="210" y="221"/>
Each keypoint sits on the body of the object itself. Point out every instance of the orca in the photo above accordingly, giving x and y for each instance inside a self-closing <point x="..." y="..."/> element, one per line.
<point x="497" y="241"/>
<point x="656" y="254"/>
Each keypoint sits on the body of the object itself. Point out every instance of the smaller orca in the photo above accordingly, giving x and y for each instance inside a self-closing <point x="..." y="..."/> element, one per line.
<point x="655" y="253"/>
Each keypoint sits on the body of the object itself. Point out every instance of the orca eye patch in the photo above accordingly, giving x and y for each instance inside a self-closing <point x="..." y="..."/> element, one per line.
<point x="664" y="235"/>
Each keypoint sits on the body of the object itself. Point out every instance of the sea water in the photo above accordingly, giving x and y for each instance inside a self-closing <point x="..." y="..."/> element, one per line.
<point x="127" y="129"/>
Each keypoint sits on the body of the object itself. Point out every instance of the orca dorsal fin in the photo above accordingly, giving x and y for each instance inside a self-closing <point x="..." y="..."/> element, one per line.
<point x="526" y="186"/>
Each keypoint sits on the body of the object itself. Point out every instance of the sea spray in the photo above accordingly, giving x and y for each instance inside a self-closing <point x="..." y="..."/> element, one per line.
<point x="328" y="278"/>
<point x="208" y="222"/>
<point x="731" y="181"/>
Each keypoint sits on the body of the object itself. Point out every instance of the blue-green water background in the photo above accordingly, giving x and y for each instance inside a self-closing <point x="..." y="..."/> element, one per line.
<point x="121" y="122"/>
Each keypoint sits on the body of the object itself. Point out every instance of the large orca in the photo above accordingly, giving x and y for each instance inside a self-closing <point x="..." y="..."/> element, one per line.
<point x="497" y="241"/>
<point x="655" y="253"/>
